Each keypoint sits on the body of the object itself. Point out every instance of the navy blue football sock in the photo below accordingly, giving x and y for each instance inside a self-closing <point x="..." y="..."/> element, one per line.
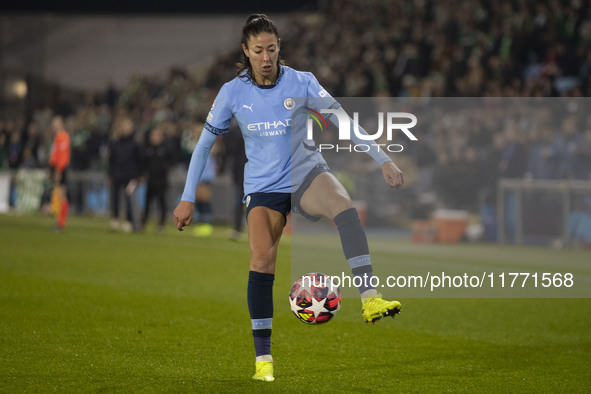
<point x="260" y="305"/>
<point x="354" y="242"/>
<point x="262" y="345"/>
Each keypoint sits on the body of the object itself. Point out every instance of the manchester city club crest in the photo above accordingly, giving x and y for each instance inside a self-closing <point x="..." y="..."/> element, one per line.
<point x="289" y="103"/>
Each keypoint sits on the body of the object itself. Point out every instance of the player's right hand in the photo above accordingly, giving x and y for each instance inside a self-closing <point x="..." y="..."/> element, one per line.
<point x="183" y="214"/>
<point x="392" y="174"/>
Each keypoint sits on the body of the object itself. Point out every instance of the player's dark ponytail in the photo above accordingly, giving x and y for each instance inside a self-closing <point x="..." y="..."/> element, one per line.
<point x="255" y="24"/>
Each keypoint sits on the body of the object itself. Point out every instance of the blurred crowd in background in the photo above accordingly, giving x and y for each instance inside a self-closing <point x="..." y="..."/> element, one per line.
<point x="358" y="48"/>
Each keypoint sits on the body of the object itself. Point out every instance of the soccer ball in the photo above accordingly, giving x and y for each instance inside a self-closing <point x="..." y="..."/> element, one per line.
<point x="313" y="300"/>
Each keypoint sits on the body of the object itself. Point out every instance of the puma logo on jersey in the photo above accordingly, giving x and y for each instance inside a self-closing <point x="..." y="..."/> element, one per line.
<point x="246" y="106"/>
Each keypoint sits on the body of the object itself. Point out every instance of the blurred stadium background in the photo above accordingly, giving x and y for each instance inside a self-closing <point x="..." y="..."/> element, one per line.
<point x="165" y="66"/>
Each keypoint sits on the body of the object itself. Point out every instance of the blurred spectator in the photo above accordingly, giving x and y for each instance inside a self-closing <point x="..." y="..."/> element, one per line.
<point x="443" y="177"/>
<point x="124" y="169"/>
<point x="513" y="158"/>
<point x="156" y="162"/>
<point x="96" y="145"/>
<point x="15" y="147"/>
<point x="469" y="177"/>
<point x="80" y="161"/>
<point x="544" y="158"/>
<point x="31" y="146"/>
<point x="111" y="95"/>
<point x="570" y="143"/>
<point x="173" y="141"/>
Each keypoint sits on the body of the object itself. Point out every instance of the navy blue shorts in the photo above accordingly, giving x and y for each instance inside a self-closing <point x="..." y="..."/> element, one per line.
<point x="280" y="202"/>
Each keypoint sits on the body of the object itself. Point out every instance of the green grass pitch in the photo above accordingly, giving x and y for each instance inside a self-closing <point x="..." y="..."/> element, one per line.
<point x="93" y="311"/>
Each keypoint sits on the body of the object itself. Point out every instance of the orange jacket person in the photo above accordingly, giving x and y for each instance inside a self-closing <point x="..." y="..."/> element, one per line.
<point x="58" y="162"/>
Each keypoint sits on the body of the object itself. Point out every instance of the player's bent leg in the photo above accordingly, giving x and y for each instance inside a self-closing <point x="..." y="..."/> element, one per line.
<point x="325" y="197"/>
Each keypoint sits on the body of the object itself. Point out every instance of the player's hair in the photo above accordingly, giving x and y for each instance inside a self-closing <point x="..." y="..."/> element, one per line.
<point x="255" y="25"/>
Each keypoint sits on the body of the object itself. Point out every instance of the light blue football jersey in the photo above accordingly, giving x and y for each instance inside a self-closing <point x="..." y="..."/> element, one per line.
<point x="276" y="161"/>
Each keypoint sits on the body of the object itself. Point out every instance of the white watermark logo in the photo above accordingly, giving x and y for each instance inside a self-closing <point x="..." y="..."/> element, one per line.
<point x="345" y="123"/>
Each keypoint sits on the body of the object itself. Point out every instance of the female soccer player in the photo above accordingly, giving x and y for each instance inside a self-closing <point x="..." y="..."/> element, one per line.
<point x="259" y="98"/>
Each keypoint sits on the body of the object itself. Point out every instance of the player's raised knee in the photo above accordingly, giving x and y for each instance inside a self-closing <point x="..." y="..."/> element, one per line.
<point x="337" y="204"/>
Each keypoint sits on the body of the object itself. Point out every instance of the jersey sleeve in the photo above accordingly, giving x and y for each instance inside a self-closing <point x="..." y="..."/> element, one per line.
<point x="197" y="164"/>
<point x="220" y="114"/>
<point x="326" y="101"/>
<point x="316" y="90"/>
